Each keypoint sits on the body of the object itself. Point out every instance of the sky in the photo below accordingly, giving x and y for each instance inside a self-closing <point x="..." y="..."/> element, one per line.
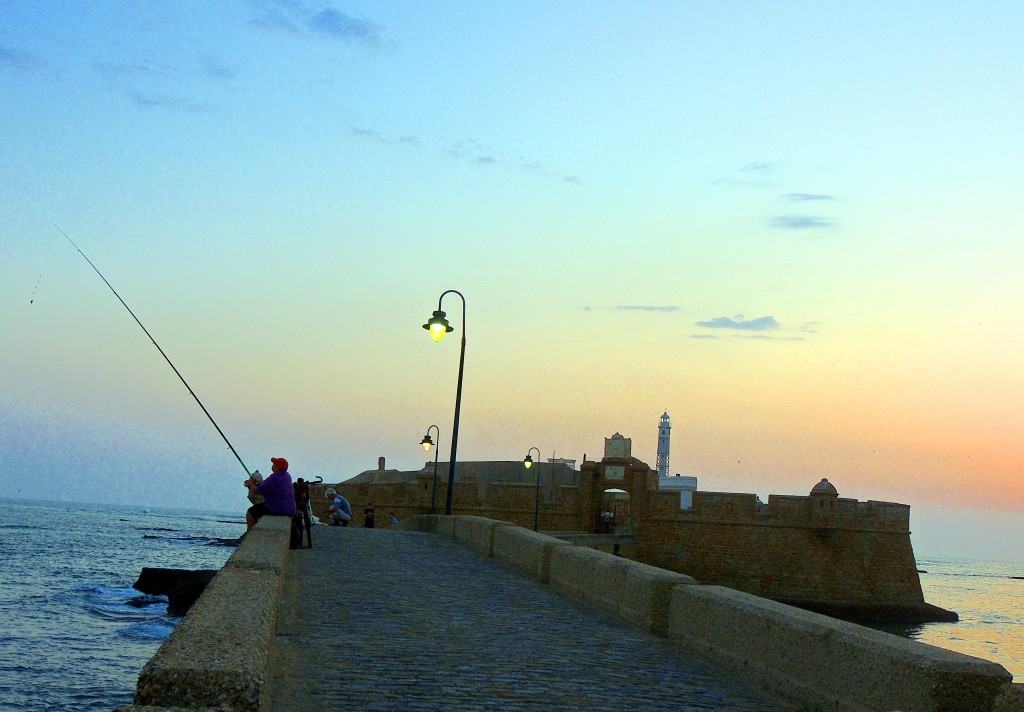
<point x="797" y="228"/>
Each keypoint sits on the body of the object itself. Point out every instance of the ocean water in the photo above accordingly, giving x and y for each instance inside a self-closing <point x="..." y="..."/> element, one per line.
<point x="74" y="634"/>
<point x="990" y="602"/>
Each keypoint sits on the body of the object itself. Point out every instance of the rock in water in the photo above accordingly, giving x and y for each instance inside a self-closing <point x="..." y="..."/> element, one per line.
<point x="181" y="586"/>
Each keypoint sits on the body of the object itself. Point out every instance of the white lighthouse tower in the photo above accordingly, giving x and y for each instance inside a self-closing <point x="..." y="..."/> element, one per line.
<point x="664" y="430"/>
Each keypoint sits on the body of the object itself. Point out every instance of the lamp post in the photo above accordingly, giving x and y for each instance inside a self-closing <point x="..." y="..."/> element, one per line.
<point x="438" y="326"/>
<point x="528" y="462"/>
<point x="427" y="443"/>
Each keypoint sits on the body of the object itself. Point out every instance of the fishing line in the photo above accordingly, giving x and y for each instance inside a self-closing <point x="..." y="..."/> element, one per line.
<point x="182" y="378"/>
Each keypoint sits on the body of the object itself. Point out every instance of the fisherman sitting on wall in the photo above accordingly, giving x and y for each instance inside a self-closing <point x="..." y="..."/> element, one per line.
<point x="340" y="511"/>
<point x="277" y="491"/>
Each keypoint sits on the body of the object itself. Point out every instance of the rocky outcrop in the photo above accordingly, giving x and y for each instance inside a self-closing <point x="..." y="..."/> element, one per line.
<point x="181" y="586"/>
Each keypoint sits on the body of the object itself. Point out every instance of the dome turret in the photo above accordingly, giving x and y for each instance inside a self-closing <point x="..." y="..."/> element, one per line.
<point x="825" y="488"/>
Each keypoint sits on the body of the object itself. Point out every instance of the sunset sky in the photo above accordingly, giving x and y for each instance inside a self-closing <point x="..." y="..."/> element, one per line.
<point x="798" y="228"/>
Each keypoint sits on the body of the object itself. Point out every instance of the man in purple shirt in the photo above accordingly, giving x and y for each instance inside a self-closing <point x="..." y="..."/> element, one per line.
<point x="277" y="491"/>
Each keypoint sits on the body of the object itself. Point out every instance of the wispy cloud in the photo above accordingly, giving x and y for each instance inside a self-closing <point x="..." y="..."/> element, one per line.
<point x="215" y="69"/>
<point x="810" y="327"/>
<point x="760" y="337"/>
<point x="757" y="174"/>
<point x="170" y="103"/>
<point x="154" y="85"/>
<point x="646" y="308"/>
<point x="482" y="154"/>
<point x="807" y="197"/>
<point x="340" y="26"/>
<point x="665" y="309"/>
<point x="801" y="222"/>
<point x="704" y="336"/>
<point x="274" y="21"/>
<point x="134" y="69"/>
<point x="18" y="60"/>
<point x="764" y="323"/>
<point x="378" y="137"/>
<point x="295" y="17"/>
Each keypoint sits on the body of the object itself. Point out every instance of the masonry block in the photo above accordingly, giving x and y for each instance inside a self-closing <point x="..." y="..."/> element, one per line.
<point x="446" y="525"/>
<point x="526" y="551"/>
<point x="261" y="545"/>
<point x="478" y="532"/>
<point x="419" y="523"/>
<point x="824" y="663"/>
<point x="635" y="592"/>
<point x="217" y="656"/>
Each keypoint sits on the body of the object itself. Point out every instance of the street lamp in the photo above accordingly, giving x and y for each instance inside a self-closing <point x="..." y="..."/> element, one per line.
<point x="438" y="326"/>
<point x="427" y="443"/>
<point x="528" y="462"/>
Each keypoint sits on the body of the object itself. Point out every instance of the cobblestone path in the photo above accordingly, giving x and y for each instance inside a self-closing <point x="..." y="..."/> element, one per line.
<point x="378" y="619"/>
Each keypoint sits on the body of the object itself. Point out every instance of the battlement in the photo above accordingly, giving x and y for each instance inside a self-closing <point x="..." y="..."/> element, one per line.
<point x="782" y="511"/>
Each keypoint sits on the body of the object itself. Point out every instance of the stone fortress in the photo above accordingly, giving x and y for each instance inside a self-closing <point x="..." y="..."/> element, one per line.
<point x="820" y="552"/>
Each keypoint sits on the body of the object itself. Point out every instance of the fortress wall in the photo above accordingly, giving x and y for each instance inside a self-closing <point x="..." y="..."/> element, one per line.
<point x="511" y="501"/>
<point x="874" y="515"/>
<point x="804" y="550"/>
<point x="786" y="561"/>
<point x="405" y="499"/>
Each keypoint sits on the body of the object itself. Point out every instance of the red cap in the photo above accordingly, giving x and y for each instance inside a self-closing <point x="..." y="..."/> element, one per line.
<point x="280" y="462"/>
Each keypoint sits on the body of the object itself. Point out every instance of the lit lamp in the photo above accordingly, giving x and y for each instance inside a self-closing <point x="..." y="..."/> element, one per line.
<point x="427" y="443"/>
<point x="438" y="326"/>
<point x="528" y="463"/>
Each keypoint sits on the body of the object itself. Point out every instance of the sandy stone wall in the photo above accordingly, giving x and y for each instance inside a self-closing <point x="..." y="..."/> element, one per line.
<point x="784" y="551"/>
<point x="509" y="501"/>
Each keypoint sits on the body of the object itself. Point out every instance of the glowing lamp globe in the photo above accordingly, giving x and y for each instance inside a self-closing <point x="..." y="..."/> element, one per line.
<point x="438" y="326"/>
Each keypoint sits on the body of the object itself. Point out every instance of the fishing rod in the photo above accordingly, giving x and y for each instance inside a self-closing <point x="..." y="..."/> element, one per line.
<point x="193" y="394"/>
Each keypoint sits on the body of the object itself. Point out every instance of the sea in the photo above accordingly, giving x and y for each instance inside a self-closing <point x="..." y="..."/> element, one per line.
<point x="74" y="633"/>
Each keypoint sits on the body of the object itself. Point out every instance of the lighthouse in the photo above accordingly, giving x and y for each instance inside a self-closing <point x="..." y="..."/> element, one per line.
<point x="664" y="430"/>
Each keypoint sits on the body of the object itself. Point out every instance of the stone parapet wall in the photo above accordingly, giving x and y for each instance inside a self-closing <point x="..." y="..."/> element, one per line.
<point x="635" y="592"/>
<point x="217" y="655"/>
<point x="807" y="659"/>
<point x="477" y="532"/>
<point x="526" y="551"/>
<point x="817" y="662"/>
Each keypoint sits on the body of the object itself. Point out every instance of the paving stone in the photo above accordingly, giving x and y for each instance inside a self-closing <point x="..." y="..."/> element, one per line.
<point x="379" y="619"/>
